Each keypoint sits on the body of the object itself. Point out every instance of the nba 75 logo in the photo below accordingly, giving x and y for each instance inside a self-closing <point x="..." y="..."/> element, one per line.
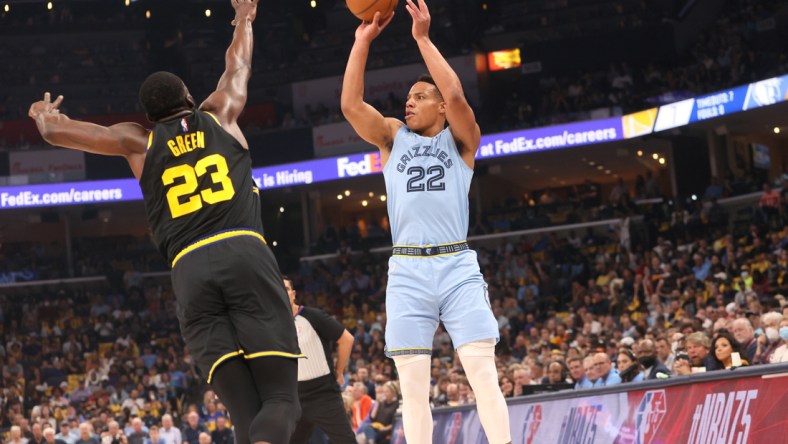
<point x="533" y="419"/>
<point x="650" y="414"/>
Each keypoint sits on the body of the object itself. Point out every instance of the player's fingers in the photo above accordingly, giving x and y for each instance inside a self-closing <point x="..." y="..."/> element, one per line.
<point x="58" y="101"/>
<point x="387" y="21"/>
<point x="412" y="6"/>
<point x="46" y="97"/>
<point x="423" y="6"/>
<point x="376" y="19"/>
<point x="411" y="11"/>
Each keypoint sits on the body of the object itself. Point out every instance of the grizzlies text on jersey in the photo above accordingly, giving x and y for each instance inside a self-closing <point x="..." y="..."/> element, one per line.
<point x="427" y="184"/>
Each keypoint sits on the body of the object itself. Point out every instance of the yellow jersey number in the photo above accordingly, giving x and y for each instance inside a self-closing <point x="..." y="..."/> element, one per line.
<point x="180" y="208"/>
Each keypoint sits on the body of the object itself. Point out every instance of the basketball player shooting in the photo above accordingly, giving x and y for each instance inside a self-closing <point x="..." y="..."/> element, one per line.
<point x="194" y="170"/>
<point x="433" y="275"/>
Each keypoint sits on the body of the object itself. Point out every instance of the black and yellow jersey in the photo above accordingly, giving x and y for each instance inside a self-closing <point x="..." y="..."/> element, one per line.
<point x="197" y="182"/>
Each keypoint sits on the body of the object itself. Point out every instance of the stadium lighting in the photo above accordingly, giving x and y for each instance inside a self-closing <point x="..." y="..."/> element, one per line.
<point x="347" y="192"/>
<point x="364" y="203"/>
<point x="339" y="197"/>
<point x="694" y="197"/>
<point x="371" y="194"/>
<point x="776" y="128"/>
<point x="600" y="167"/>
<point x="275" y="243"/>
<point x="383" y="198"/>
<point x="207" y="12"/>
<point x="6" y="8"/>
<point x="313" y="4"/>
<point x="608" y="172"/>
<point x="640" y="153"/>
<point x="127" y="3"/>
<point x="281" y="209"/>
<point x="50" y="6"/>
<point x="147" y="14"/>
<point x="655" y="156"/>
<point x="662" y="161"/>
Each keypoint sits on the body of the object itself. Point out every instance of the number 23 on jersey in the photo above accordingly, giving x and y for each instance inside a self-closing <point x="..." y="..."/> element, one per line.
<point x="175" y="195"/>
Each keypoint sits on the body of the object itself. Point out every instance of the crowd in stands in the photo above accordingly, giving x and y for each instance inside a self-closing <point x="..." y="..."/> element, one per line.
<point x="107" y="363"/>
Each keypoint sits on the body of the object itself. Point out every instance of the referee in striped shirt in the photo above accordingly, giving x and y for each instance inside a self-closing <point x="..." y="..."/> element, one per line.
<point x="318" y="381"/>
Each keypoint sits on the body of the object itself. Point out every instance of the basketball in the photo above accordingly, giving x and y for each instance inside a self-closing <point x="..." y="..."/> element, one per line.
<point x="366" y="9"/>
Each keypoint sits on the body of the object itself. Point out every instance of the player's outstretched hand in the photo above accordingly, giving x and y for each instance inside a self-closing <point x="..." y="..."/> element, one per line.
<point x="369" y="31"/>
<point x="421" y="18"/>
<point x="246" y="9"/>
<point x="45" y="106"/>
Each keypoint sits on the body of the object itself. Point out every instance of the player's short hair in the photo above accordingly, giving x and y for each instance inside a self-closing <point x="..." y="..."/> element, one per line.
<point x="162" y="94"/>
<point x="426" y="78"/>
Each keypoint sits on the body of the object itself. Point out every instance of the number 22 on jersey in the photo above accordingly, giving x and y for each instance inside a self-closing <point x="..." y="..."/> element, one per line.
<point x="190" y="174"/>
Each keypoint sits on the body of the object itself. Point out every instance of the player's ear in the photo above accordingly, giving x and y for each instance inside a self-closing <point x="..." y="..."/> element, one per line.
<point x="190" y="101"/>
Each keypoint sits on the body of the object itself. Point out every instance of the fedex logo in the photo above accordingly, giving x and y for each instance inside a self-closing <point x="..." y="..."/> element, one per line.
<point x="348" y="168"/>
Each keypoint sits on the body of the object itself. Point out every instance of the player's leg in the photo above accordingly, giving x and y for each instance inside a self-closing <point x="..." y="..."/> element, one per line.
<point x="211" y="338"/>
<point x="233" y="384"/>
<point x="276" y="380"/>
<point x="468" y="317"/>
<point x="260" y="313"/>
<point x="414" y="377"/>
<point x="411" y="319"/>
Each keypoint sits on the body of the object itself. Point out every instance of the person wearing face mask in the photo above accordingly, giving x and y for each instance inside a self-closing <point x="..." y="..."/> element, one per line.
<point x="770" y="340"/>
<point x="781" y="353"/>
<point x="653" y="368"/>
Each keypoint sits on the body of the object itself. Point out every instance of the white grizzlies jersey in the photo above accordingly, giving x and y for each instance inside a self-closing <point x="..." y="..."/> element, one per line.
<point x="427" y="184"/>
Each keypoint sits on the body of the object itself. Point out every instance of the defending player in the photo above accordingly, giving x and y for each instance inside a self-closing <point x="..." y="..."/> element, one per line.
<point x="433" y="275"/>
<point x="194" y="169"/>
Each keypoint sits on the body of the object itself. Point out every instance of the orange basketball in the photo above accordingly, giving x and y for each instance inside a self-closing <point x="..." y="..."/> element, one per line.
<point x="366" y="9"/>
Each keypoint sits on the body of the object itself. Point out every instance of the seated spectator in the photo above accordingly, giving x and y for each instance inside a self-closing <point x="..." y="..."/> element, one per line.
<point x="607" y="375"/>
<point x="781" y="353"/>
<point x="222" y="434"/>
<point x="168" y="433"/>
<point x="137" y="435"/>
<point x="724" y="346"/>
<point x="193" y="428"/>
<point x="745" y="335"/>
<point x="628" y="367"/>
<point x="507" y="386"/>
<point x="653" y="367"/>
<point x="153" y="436"/>
<point x="86" y="434"/>
<point x="49" y="437"/>
<point x="770" y="340"/>
<point x="67" y="435"/>
<point x="362" y="405"/>
<point x="15" y="436"/>
<point x="698" y="355"/>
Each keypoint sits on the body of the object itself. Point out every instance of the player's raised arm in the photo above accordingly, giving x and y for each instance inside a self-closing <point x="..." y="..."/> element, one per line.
<point x="459" y="114"/>
<point x="123" y="139"/>
<point x="229" y="99"/>
<point x="368" y="122"/>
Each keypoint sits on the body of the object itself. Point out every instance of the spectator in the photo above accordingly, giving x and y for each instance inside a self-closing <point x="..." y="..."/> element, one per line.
<point x="86" y="434"/>
<point x="781" y="353"/>
<point x="724" y="346"/>
<point x="191" y="433"/>
<point x="49" y="437"/>
<point x="665" y="353"/>
<point x="770" y="340"/>
<point x="577" y="372"/>
<point x="15" y="436"/>
<point x="153" y="436"/>
<point x="137" y="435"/>
<point x="113" y="435"/>
<point x="507" y="386"/>
<point x="698" y="355"/>
<point x="362" y="404"/>
<point x="169" y="433"/>
<point x="591" y="375"/>
<point x="604" y="368"/>
<point x="653" y="367"/>
<point x="38" y="434"/>
<point x="522" y="378"/>
<point x="745" y="335"/>
<point x="67" y="435"/>
<point x="204" y="438"/>
<point x="557" y="373"/>
<point x="628" y="367"/>
<point x="222" y="434"/>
